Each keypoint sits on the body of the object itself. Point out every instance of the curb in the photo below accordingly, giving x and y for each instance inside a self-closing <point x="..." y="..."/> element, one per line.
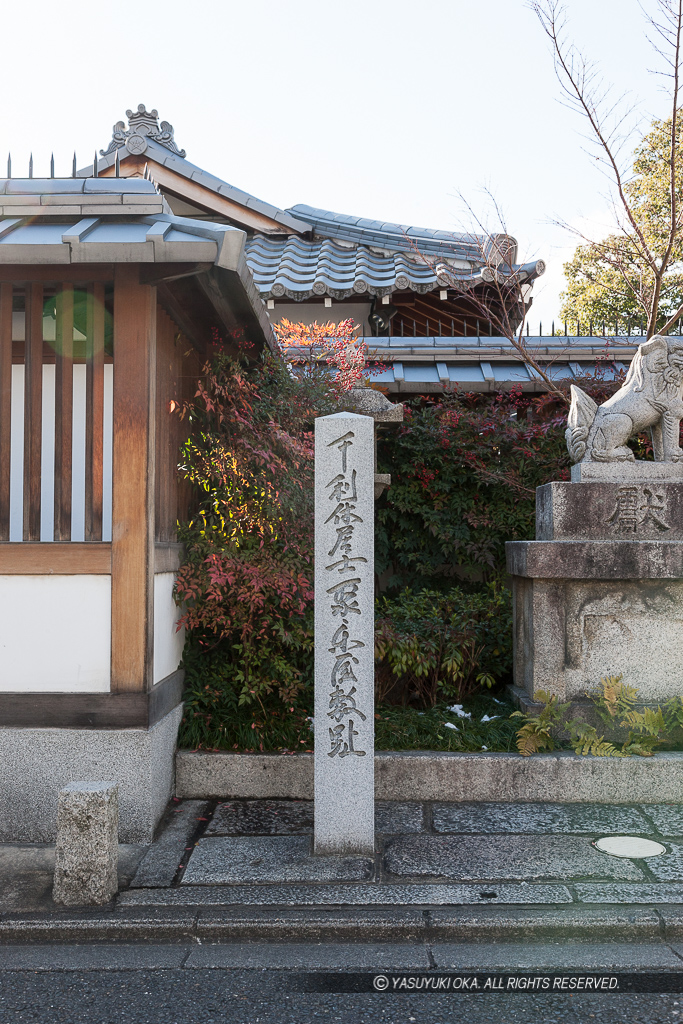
<point x="165" y="925"/>
<point x="562" y="777"/>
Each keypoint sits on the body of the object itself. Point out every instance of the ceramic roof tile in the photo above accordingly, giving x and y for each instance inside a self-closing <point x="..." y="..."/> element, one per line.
<point x="384" y="234"/>
<point x="300" y="269"/>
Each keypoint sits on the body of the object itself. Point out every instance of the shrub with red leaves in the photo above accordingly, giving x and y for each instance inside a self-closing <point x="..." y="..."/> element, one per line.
<point x="246" y="583"/>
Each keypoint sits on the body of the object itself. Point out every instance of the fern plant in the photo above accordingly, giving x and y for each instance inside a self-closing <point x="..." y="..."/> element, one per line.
<point x="647" y="730"/>
<point x="615" y="703"/>
<point x="613" y="698"/>
<point x="584" y="740"/>
<point x="673" y="713"/>
<point x="535" y="734"/>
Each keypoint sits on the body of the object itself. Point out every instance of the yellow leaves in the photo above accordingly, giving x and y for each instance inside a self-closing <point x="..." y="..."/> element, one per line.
<point x="536" y="734"/>
<point x="613" y="696"/>
<point x="612" y="699"/>
<point x="531" y="740"/>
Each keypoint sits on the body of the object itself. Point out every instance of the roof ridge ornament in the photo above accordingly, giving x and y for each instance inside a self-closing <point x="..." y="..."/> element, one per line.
<point x="143" y="124"/>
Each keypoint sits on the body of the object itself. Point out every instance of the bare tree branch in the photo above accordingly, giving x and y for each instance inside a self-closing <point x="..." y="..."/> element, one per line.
<point x="582" y="86"/>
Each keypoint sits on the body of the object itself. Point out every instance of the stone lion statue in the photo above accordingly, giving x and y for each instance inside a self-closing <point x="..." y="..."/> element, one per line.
<point x="650" y="398"/>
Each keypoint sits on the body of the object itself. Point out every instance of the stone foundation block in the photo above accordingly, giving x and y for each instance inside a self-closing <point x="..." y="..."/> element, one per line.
<point x="36" y="763"/>
<point x="87" y="852"/>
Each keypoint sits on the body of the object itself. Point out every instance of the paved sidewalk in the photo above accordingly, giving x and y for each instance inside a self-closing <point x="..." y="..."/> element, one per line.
<point x="243" y="870"/>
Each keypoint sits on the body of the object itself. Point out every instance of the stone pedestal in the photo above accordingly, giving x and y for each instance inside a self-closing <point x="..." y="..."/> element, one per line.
<point x="600" y="590"/>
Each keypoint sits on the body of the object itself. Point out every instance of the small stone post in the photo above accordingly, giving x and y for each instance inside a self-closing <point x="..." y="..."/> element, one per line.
<point x="86" y="861"/>
<point x="344" y="808"/>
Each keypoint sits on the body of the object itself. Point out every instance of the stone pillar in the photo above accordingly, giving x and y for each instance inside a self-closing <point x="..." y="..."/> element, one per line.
<point x="600" y="590"/>
<point x="86" y="860"/>
<point x="344" y="634"/>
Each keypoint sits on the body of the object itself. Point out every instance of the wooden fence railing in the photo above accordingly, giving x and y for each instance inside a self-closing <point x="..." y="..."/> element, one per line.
<point x="55" y="412"/>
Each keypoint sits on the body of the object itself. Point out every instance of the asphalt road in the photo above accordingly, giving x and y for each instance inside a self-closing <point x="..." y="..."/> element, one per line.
<point x="265" y="997"/>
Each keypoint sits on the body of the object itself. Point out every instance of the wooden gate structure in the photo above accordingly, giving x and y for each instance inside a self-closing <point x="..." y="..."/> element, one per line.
<point x="108" y="307"/>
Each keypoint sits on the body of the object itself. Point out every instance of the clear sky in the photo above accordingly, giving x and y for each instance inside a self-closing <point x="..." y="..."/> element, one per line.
<point x="381" y="108"/>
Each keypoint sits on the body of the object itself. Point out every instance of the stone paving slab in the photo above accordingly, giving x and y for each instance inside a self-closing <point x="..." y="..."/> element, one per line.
<point x="305" y="957"/>
<point x="220" y="861"/>
<point x="134" y="924"/>
<point x="351" y="895"/>
<point x="398" y="818"/>
<point x="644" y="892"/>
<point x="161" y="861"/>
<point x="262" y="818"/>
<point x="353" y="924"/>
<point x="295" y="817"/>
<point x="371" y="956"/>
<point x="556" y="956"/>
<point x="475" y="858"/>
<point x="537" y="819"/>
<point x="667" y="818"/>
<point x="672" y="921"/>
<point x="26" y="892"/>
<point x="668" y="867"/>
<point x="27" y="872"/>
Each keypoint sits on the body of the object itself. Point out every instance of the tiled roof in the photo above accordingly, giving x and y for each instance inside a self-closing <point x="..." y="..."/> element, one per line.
<point x="76" y="186"/>
<point x="76" y="220"/>
<point x="485" y="364"/>
<point x="176" y="163"/>
<point x="61" y="221"/>
<point x="383" y="235"/>
<point x="302" y="269"/>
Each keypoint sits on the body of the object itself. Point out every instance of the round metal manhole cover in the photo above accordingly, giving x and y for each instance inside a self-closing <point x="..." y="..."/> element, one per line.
<point x="629" y="846"/>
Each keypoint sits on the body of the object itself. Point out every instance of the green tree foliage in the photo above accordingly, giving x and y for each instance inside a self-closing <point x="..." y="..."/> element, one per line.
<point x="431" y="645"/>
<point x="611" y="282"/>
<point x="464" y="473"/>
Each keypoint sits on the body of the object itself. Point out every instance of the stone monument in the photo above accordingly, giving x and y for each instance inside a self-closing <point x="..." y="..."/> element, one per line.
<point x="344" y="809"/>
<point x="600" y="590"/>
<point x="346" y="485"/>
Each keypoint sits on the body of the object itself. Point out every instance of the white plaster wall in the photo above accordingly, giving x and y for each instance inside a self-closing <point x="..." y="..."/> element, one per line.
<point x="168" y="643"/>
<point x="48" y="454"/>
<point x="55" y="634"/>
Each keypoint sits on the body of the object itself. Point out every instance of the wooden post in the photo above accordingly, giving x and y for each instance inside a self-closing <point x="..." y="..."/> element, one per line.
<point x="5" y="403"/>
<point x="132" y="581"/>
<point x="64" y="383"/>
<point x="94" y="416"/>
<point x="33" y="409"/>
